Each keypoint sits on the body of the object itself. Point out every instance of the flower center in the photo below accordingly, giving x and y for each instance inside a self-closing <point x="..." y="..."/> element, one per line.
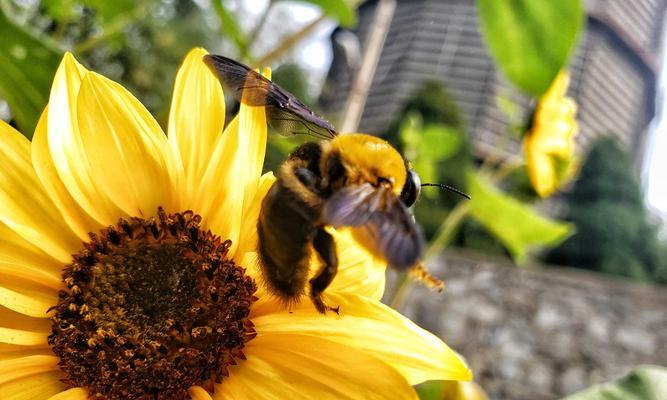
<point x="152" y="307"/>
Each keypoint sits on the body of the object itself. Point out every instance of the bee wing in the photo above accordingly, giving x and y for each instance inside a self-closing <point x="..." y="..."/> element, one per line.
<point x="285" y="113"/>
<point x="382" y="217"/>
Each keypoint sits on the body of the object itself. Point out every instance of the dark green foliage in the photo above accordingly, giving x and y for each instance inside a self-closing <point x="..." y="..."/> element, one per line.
<point x="614" y="234"/>
<point x="436" y="106"/>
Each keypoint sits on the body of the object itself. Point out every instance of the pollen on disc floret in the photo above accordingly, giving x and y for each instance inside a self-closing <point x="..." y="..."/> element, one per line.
<point x="151" y="308"/>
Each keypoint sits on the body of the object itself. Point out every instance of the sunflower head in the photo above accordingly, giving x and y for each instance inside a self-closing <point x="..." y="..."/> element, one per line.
<point x="156" y="297"/>
<point x="549" y="145"/>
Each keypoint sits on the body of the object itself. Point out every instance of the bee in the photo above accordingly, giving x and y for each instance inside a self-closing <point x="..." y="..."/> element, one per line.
<point x="351" y="180"/>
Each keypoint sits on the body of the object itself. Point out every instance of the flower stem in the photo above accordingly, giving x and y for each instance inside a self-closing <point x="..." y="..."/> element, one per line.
<point x="446" y="230"/>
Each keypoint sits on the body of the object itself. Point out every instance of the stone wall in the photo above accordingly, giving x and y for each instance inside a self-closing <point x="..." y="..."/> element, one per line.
<point x="541" y="333"/>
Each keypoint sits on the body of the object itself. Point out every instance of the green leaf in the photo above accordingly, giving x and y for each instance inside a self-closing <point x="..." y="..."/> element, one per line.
<point x="426" y="146"/>
<point x="341" y="10"/>
<point x="61" y="10"/>
<point x="108" y="10"/>
<point x="648" y="382"/>
<point x="515" y="224"/>
<point x="531" y="40"/>
<point x="431" y="390"/>
<point x="27" y="66"/>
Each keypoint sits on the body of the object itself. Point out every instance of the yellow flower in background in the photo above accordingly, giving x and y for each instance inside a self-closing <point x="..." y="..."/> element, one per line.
<point x="549" y="144"/>
<point x="128" y="263"/>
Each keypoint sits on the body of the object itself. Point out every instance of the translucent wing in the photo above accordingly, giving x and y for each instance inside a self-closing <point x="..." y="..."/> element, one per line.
<point x="285" y="113"/>
<point x="382" y="216"/>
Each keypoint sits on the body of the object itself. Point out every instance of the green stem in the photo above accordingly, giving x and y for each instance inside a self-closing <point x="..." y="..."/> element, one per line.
<point x="446" y="231"/>
<point x="401" y="292"/>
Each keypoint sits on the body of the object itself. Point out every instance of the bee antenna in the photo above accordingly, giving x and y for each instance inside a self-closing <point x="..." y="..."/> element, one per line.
<point x="447" y="187"/>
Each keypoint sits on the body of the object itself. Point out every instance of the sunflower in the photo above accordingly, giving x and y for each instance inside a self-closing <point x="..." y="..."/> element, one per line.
<point x="128" y="264"/>
<point x="549" y="144"/>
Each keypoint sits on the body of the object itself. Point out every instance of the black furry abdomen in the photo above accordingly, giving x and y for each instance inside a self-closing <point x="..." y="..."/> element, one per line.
<point x="286" y="228"/>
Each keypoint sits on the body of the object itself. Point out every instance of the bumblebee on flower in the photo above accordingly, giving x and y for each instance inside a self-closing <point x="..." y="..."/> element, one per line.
<point x="128" y="263"/>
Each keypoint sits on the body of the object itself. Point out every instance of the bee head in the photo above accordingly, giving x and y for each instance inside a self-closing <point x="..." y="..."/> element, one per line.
<point x="370" y="159"/>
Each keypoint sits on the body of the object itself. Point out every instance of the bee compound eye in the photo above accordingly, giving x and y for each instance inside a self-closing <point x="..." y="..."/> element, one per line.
<point x="411" y="189"/>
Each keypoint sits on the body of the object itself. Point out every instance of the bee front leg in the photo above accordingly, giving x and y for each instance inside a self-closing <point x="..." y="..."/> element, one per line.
<point x="325" y="246"/>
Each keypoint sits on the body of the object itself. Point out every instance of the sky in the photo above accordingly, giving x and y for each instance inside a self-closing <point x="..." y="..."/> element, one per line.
<point x="656" y="166"/>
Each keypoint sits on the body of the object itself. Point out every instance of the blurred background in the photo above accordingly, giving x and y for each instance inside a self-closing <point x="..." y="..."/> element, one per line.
<point x="547" y="113"/>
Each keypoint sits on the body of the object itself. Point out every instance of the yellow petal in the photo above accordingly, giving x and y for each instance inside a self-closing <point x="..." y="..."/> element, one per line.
<point x="303" y="367"/>
<point x="15" y="351"/>
<point x="17" y="329"/>
<point x="232" y="178"/>
<point x="128" y="153"/>
<point x="75" y="216"/>
<point x="21" y="259"/>
<point x="26" y="297"/>
<point x="359" y="272"/>
<point x="252" y="128"/>
<point x="66" y="153"/>
<point x="26" y="208"/>
<point x="198" y="393"/>
<point x="375" y="328"/>
<point x="22" y="338"/>
<point x="540" y="169"/>
<point x="196" y="118"/>
<point x="248" y="236"/>
<point x="22" y="367"/>
<point x="71" y="394"/>
<point x="220" y="199"/>
<point x="40" y="386"/>
<point x="15" y="320"/>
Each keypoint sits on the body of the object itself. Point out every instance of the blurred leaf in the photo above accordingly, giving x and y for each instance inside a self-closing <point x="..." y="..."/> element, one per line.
<point x="648" y="382"/>
<point x="341" y="10"/>
<point x="515" y="224"/>
<point x="450" y="390"/>
<point x="28" y="65"/>
<point x="230" y="27"/>
<point x="61" y="10"/>
<point x="426" y="146"/>
<point x="108" y="10"/>
<point x="431" y="390"/>
<point x="531" y="40"/>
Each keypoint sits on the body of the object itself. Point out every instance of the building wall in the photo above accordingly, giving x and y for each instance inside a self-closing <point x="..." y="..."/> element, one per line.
<point x="539" y="333"/>
<point x="613" y="70"/>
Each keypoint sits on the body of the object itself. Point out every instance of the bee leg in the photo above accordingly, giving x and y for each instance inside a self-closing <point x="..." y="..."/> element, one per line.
<point x="420" y="273"/>
<point x="325" y="246"/>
